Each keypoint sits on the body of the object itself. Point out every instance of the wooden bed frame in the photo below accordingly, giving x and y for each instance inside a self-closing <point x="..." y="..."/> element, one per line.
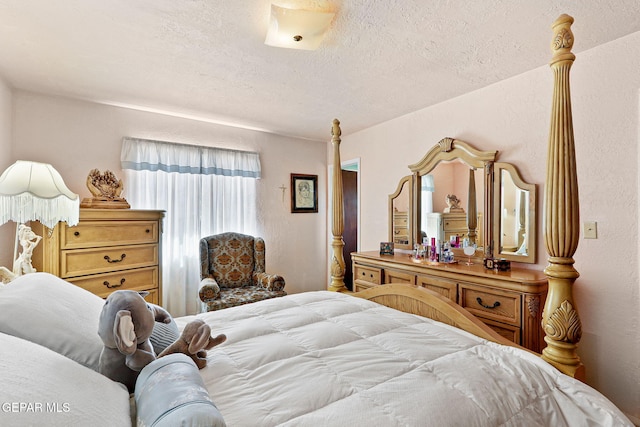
<point x="560" y="319"/>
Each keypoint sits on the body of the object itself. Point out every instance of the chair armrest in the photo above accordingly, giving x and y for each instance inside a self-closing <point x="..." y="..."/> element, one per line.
<point x="270" y="282"/>
<point x="209" y="289"/>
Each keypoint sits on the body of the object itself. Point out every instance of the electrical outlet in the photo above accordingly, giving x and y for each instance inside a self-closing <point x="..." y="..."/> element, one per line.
<point x="590" y="230"/>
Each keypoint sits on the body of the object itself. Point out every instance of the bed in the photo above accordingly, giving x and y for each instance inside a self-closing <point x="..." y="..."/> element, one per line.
<point x="392" y="355"/>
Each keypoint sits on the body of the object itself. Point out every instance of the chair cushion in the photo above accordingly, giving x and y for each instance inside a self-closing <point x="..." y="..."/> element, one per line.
<point x="239" y="296"/>
<point x="231" y="258"/>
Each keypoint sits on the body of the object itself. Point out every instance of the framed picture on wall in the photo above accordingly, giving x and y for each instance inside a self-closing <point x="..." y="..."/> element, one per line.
<point x="304" y="193"/>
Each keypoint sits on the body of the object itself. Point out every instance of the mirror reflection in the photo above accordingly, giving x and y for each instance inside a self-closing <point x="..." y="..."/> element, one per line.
<point x="513" y="218"/>
<point x="515" y="215"/>
<point x="400" y="215"/>
<point x="445" y="204"/>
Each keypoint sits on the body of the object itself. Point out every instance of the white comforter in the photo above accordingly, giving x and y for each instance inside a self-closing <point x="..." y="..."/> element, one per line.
<point x="328" y="359"/>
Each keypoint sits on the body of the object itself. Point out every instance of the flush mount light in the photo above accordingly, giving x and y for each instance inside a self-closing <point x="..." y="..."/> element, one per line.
<point x="296" y="28"/>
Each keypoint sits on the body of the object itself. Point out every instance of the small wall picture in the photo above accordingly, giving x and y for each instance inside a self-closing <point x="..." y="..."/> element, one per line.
<point x="304" y="193"/>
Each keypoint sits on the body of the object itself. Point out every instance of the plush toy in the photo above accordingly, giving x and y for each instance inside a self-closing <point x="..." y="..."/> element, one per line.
<point x="125" y="325"/>
<point x="194" y="341"/>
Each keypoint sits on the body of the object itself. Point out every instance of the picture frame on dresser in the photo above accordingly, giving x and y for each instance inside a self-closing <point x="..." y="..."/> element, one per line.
<point x="304" y="193"/>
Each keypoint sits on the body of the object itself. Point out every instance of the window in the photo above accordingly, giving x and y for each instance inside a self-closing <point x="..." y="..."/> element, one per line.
<point x="203" y="191"/>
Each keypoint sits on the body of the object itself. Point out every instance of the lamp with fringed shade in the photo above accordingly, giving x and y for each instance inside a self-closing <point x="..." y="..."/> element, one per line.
<point x="33" y="191"/>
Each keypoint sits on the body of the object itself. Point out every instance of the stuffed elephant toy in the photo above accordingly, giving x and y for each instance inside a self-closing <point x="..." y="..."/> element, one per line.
<point x="194" y="341"/>
<point x="125" y="325"/>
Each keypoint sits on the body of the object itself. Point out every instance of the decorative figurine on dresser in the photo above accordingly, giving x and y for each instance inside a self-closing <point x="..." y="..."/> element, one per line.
<point x="112" y="248"/>
<point x="105" y="189"/>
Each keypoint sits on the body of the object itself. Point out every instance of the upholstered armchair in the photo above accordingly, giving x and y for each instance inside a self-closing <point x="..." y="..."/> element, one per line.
<point x="232" y="272"/>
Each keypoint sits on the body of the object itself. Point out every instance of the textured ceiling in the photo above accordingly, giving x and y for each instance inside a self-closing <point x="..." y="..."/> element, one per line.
<point x="207" y="59"/>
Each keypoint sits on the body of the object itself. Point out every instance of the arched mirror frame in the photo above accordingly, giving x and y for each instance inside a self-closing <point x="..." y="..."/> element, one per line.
<point x="449" y="149"/>
<point x="408" y="181"/>
<point x="531" y="189"/>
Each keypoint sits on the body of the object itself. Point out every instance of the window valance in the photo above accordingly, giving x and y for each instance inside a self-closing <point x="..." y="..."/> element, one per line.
<point x="144" y="154"/>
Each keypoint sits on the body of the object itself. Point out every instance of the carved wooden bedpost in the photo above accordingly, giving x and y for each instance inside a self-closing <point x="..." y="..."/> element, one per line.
<point x="337" y="217"/>
<point x="560" y="319"/>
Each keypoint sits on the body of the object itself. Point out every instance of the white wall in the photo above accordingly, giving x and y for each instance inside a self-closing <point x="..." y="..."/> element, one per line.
<point x="7" y="233"/>
<point x="76" y="136"/>
<point x="513" y="118"/>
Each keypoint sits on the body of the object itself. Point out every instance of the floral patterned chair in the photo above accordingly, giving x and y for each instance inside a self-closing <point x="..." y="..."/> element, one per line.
<point x="232" y="272"/>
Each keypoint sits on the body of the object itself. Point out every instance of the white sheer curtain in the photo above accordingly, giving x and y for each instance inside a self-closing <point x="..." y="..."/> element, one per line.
<point x="427" y="188"/>
<point x="203" y="191"/>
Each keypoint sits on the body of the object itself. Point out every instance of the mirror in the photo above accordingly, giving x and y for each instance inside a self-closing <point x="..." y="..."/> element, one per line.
<point x="400" y="215"/>
<point x="459" y="162"/>
<point x="446" y="205"/>
<point x="515" y="215"/>
<point x="456" y="190"/>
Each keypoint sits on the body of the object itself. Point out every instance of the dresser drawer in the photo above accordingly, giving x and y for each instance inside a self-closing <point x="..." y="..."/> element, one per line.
<point x="108" y="233"/>
<point x="455" y="224"/>
<point x="79" y="262"/>
<point x="392" y="276"/>
<point x="400" y="221"/>
<point x="153" y="297"/>
<point x="493" y="304"/>
<point x="103" y="284"/>
<point x="446" y="288"/>
<point x="367" y="274"/>
<point x="361" y="286"/>
<point x="512" y="333"/>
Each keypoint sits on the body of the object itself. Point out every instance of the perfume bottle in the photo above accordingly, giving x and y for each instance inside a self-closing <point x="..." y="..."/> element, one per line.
<point x="446" y="252"/>
<point x="434" y="250"/>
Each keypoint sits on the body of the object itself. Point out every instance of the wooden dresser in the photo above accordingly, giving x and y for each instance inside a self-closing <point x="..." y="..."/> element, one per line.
<point x="110" y="249"/>
<point x="400" y="228"/>
<point x="509" y="302"/>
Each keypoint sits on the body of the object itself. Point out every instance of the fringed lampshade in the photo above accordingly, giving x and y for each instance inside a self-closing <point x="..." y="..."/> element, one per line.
<point x="36" y="191"/>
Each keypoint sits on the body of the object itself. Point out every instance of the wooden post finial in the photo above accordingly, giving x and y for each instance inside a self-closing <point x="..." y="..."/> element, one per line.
<point x="335" y="129"/>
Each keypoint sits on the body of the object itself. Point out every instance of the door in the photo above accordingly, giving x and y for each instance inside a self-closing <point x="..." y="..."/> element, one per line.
<point x="350" y="234"/>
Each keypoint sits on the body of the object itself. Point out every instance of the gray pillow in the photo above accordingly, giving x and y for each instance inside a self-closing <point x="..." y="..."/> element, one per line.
<point x="44" y="309"/>
<point x="170" y="392"/>
<point x="163" y="335"/>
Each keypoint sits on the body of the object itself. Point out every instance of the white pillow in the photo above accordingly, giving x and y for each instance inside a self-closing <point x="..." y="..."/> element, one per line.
<point x="43" y="388"/>
<point x="52" y="312"/>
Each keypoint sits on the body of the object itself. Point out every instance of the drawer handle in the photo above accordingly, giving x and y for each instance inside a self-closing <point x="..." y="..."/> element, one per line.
<point x="110" y="286"/>
<point x="147" y="230"/>
<point x="495" y="304"/>
<point x="109" y="260"/>
<point x="77" y="233"/>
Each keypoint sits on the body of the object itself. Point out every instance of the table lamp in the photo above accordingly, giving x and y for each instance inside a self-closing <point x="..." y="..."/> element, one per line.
<point x="33" y="191"/>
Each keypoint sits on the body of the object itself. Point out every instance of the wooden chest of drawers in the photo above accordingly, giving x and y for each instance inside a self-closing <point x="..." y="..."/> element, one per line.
<point x="109" y="249"/>
<point x="401" y="228"/>
<point x="509" y="302"/>
<point x="444" y="225"/>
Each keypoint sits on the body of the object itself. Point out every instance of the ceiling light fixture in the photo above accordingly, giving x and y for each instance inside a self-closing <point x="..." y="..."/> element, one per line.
<point x="297" y="28"/>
